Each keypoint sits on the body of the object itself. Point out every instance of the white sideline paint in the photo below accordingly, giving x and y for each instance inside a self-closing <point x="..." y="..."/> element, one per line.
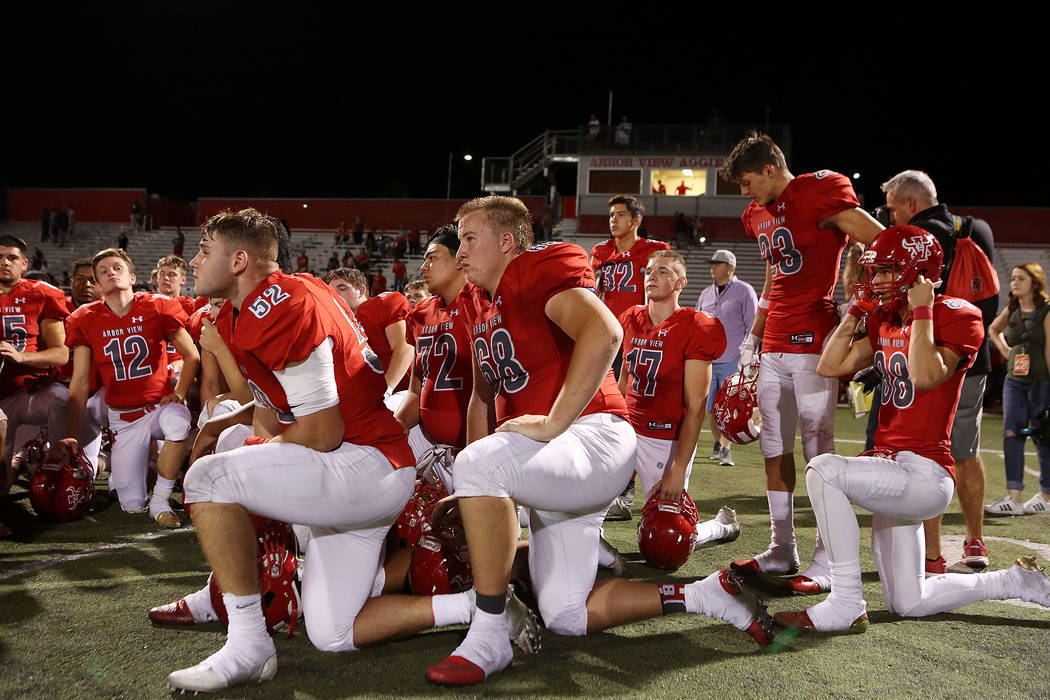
<point x="45" y="563"/>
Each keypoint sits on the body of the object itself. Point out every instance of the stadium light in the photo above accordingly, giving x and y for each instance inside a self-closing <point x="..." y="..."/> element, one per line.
<point x="856" y="176"/>
<point x="468" y="157"/>
<point x="305" y="206"/>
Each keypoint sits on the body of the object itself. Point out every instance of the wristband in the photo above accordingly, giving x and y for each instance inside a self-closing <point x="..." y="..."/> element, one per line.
<point x="922" y="313"/>
<point x="763" y="303"/>
<point x="256" y="440"/>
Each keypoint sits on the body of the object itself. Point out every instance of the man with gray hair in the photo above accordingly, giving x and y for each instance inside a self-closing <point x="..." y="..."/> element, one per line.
<point x="911" y="198"/>
<point x="733" y="302"/>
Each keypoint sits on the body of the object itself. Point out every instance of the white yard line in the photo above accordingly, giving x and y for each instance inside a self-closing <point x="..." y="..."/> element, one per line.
<point x="31" y="566"/>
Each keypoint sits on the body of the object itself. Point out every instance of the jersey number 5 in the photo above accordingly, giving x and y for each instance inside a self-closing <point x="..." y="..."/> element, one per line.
<point x="15" y="331"/>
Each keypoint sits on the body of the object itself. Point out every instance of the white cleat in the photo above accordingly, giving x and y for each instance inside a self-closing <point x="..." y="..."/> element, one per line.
<point x="202" y="679"/>
<point x="727" y="516"/>
<point x="524" y="625"/>
<point x="1035" y="586"/>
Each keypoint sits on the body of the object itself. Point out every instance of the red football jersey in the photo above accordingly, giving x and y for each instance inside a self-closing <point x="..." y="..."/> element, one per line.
<point x="23" y="308"/>
<point x="620" y="277"/>
<point x="375" y="315"/>
<point x="921" y="421"/>
<point x="443" y="366"/>
<point x="280" y="323"/>
<point x="654" y="357"/>
<point x="517" y="347"/>
<point x="803" y="259"/>
<point x="130" y="352"/>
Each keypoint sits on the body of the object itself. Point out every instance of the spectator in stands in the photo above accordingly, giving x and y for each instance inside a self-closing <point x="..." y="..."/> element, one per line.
<point x="72" y="215"/>
<point x="733" y="302"/>
<point x="61" y="226"/>
<point x="359" y="230"/>
<point x="136" y="215"/>
<point x="362" y="261"/>
<point x="370" y="242"/>
<point x="52" y="213"/>
<point x="682" y="189"/>
<point x="38" y="261"/>
<point x="594" y="127"/>
<point x="659" y="187"/>
<point x="416" y="291"/>
<point x="378" y="283"/>
<point x="302" y="263"/>
<point x="348" y="259"/>
<point x="400" y="275"/>
<point x="381" y="243"/>
<point x="122" y="242"/>
<point x="413" y="241"/>
<point x="400" y="246"/>
<point x="623" y="132"/>
<point x="333" y="262"/>
<point x="341" y="234"/>
<point x="178" y="243"/>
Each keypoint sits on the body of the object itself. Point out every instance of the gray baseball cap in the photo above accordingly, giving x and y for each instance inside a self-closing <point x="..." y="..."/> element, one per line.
<point x="725" y="256"/>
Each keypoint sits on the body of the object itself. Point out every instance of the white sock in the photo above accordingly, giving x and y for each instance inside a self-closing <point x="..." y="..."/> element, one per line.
<point x="199" y="603"/>
<point x="708" y="597"/>
<point x="781" y="519"/>
<point x="488" y="642"/>
<point x="248" y="646"/>
<point x="451" y="609"/>
<point x="709" y="530"/>
<point x="820" y="566"/>
<point x="161" y="492"/>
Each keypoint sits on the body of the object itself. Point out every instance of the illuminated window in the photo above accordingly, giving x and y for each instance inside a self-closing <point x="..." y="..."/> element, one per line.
<point x="688" y="183"/>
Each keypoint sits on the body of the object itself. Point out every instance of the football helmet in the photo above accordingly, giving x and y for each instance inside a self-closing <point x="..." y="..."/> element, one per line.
<point x="736" y="407"/>
<point x="910" y="251"/>
<point x="278" y="576"/>
<point x="410" y="524"/>
<point x="439" y="566"/>
<point x="667" y="533"/>
<point x="63" y="488"/>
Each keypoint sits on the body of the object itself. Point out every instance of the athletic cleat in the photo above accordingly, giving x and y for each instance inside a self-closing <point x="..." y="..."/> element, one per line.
<point x="761" y="627"/>
<point x="799" y="619"/>
<point x="751" y="567"/>
<point x="455" y="670"/>
<point x="975" y="554"/>
<point x="716" y="453"/>
<point x="202" y="679"/>
<point x="727" y="516"/>
<point x="725" y="459"/>
<point x="1036" y="504"/>
<point x="617" y="565"/>
<point x="176" y="613"/>
<point x="168" y="520"/>
<point x="618" y="511"/>
<point x="1005" y="506"/>
<point x="524" y="625"/>
<point x="1035" y="586"/>
<point x="936" y="567"/>
<point x="804" y="585"/>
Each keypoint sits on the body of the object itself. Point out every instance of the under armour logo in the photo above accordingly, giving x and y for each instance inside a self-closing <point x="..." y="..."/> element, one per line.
<point x="136" y="319"/>
<point x="454" y="312"/>
<point x="627" y="254"/>
<point x="918" y="246"/>
<point x="20" y="300"/>
<point x="663" y="332"/>
<point x="782" y="206"/>
<point x="499" y="300"/>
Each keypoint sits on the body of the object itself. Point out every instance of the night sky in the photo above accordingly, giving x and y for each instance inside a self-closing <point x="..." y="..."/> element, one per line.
<point x="214" y="99"/>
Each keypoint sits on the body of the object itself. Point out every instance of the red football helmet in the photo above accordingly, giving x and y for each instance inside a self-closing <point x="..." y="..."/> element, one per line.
<point x="410" y="524"/>
<point x="63" y="488"/>
<point x="910" y="251"/>
<point x="278" y="575"/>
<point x="736" y="407"/>
<point x="667" y="532"/>
<point x="439" y="566"/>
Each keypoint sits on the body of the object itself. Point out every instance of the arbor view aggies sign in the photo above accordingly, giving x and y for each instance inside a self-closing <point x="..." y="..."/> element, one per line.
<point x="654" y="161"/>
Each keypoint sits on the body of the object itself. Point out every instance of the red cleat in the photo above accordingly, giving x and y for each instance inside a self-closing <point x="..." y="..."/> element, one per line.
<point x="975" y="554"/>
<point x="177" y="613"/>
<point x="761" y="627"/>
<point x="750" y="567"/>
<point x="799" y="619"/>
<point x="803" y="585"/>
<point x="455" y="670"/>
<point x="936" y="566"/>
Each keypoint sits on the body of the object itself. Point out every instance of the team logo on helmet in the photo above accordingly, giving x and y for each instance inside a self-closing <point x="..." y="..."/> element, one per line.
<point x="918" y="246"/>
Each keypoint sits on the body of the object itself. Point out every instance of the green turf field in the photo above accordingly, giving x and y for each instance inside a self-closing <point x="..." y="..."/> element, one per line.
<point x="73" y="601"/>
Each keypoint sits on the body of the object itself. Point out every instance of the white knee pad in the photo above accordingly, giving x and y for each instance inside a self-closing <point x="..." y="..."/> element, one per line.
<point x="828" y="466"/>
<point x="174" y="421"/>
<point x="563" y="617"/>
<point x="232" y="438"/>
<point x="328" y="640"/>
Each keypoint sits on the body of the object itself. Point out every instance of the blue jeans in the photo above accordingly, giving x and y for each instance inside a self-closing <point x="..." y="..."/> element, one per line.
<point x="1021" y="402"/>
